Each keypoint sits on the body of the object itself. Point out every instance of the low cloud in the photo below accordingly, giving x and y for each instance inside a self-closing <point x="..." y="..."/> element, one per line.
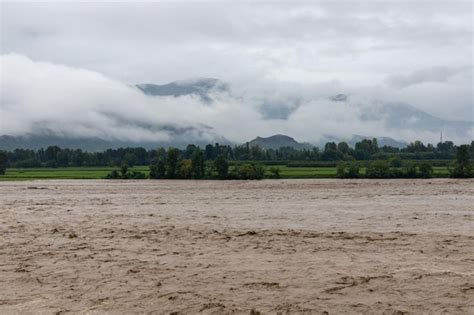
<point x="40" y="97"/>
<point x="435" y="74"/>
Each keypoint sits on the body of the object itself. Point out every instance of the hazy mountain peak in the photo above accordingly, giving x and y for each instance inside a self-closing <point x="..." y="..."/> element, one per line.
<point x="278" y="141"/>
<point x="198" y="86"/>
<point x="339" y="98"/>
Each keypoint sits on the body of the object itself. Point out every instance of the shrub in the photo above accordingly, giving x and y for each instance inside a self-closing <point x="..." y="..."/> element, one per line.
<point x="136" y="175"/>
<point x="125" y="174"/>
<point x="410" y="170"/>
<point x="113" y="175"/>
<point x="395" y="161"/>
<point x="274" y="172"/>
<point x="425" y="170"/>
<point x="348" y="170"/>
<point x="249" y="171"/>
<point x="379" y="169"/>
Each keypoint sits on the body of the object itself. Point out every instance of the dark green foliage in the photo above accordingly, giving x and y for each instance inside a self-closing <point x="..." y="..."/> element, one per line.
<point x="158" y="169"/>
<point x="172" y="163"/>
<point x="124" y="169"/>
<point x="114" y="175"/>
<point x="402" y="162"/>
<point x="198" y="168"/>
<point x="379" y="169"/>
<point x="185" y="169"/>
<point x="136" y="175"/>
<point x="29" y="163"/>
<point x="343" y="147"/>
<point x="348" y="170"/>
<point x="395" y="161"/>
<point x="365" y="149"/>
<point x="463" y="167"/>
<point x="382" y="169"/>
<point x="274" y="172"/>
<point x="311" y="163"/>
<point x="158" y="165"/>
<point x="425" y="170"/>
<point x="125" y="174"/>
<point x="3" y="162"/>
<point x="410" y="170"/>
<point x="249" y="171"/>
<point x="222" y="166"/>
<point x="416" y="146"/>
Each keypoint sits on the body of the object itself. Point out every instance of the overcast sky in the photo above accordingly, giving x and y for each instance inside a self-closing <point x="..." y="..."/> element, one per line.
<point x="418" y="52"/>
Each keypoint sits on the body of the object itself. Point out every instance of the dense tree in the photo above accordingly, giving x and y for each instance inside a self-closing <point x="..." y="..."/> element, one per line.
<point x="51" y="153"/>
<point x="158" y="164"/>
<point x="410" y="170"/>
<point x="185" y="169"/>
<point x="130" y="159"/>
<point x="63" y="158"/>
<point x="343" y="147"/>
<point x="158" y="169"/>
<point x="348" y="170"/>
<point x="395" y="161"/>
<point x="222" y="166"/>
<point x="378" y="169"/>
<point x="416" y="146"/>
<point x="275" y="172"/>
<point x="171" y="162"/>
<point x="463" y="167"/>
<point x="365" y="149"/>
<point x="197" y="159"/>
<point x="425" y="170"/>
<point x="3" y="162"/>
<point x="330" y="146"/>
<point x="125" y="173"/>
<point x="54" y="156"/>
<point x="249" y="171"/>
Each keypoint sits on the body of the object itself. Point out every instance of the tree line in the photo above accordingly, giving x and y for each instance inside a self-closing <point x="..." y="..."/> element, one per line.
<point x="213" y="161"/>
<point x="365" y="150"/>
<point x="394" y="168"/>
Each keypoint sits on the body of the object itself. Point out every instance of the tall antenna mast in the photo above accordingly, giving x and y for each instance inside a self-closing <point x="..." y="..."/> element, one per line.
<point x="441" y="137"/>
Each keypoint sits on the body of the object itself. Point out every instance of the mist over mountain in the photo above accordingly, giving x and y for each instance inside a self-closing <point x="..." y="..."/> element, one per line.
<point x="200" y="87"/>
<point x="80" y="108"/>
<point x="204" y="72"/>
<point x="279" y="141"/>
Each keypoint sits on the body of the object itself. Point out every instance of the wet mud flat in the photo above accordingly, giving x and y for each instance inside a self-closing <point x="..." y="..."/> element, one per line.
<point x="240" y="247"/>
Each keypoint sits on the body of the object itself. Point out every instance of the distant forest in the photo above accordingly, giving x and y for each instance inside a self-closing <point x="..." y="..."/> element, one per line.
<point x="330" y="155"/>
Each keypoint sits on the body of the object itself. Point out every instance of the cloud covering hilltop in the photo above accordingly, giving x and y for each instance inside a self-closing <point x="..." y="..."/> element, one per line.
<point x="309" y="70"/>
<point x="45" y="98"/>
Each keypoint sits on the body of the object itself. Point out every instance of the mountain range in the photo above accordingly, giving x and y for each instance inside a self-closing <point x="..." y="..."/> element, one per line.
<point x="394" y="116"/>
<point x="278" y="141"/>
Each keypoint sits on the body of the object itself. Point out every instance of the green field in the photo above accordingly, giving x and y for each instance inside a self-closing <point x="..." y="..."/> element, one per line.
<point x="63" y="173"/>
<point x="101" y="172"/>
<point x="330" y="172"/>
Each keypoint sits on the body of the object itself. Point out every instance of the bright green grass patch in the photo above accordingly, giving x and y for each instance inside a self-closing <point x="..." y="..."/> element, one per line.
<point x="101" y="172"/>
<point x="64" y="173"/>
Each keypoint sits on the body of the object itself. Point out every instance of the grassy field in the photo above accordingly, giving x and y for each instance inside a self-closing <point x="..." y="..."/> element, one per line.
<point x="63" y="173"/>
<point x="330" y="172"/>
<point x="101" y="172"/>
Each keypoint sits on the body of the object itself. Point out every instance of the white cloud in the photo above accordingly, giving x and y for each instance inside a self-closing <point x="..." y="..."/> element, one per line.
<point x="280" y="51"/>
<point x="39" y="96"/>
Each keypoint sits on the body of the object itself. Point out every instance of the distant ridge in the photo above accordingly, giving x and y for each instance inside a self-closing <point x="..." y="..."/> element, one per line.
<point x="200" y="87"/>
<point x="279" y="141"/>
<point x="91" y="144"/>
